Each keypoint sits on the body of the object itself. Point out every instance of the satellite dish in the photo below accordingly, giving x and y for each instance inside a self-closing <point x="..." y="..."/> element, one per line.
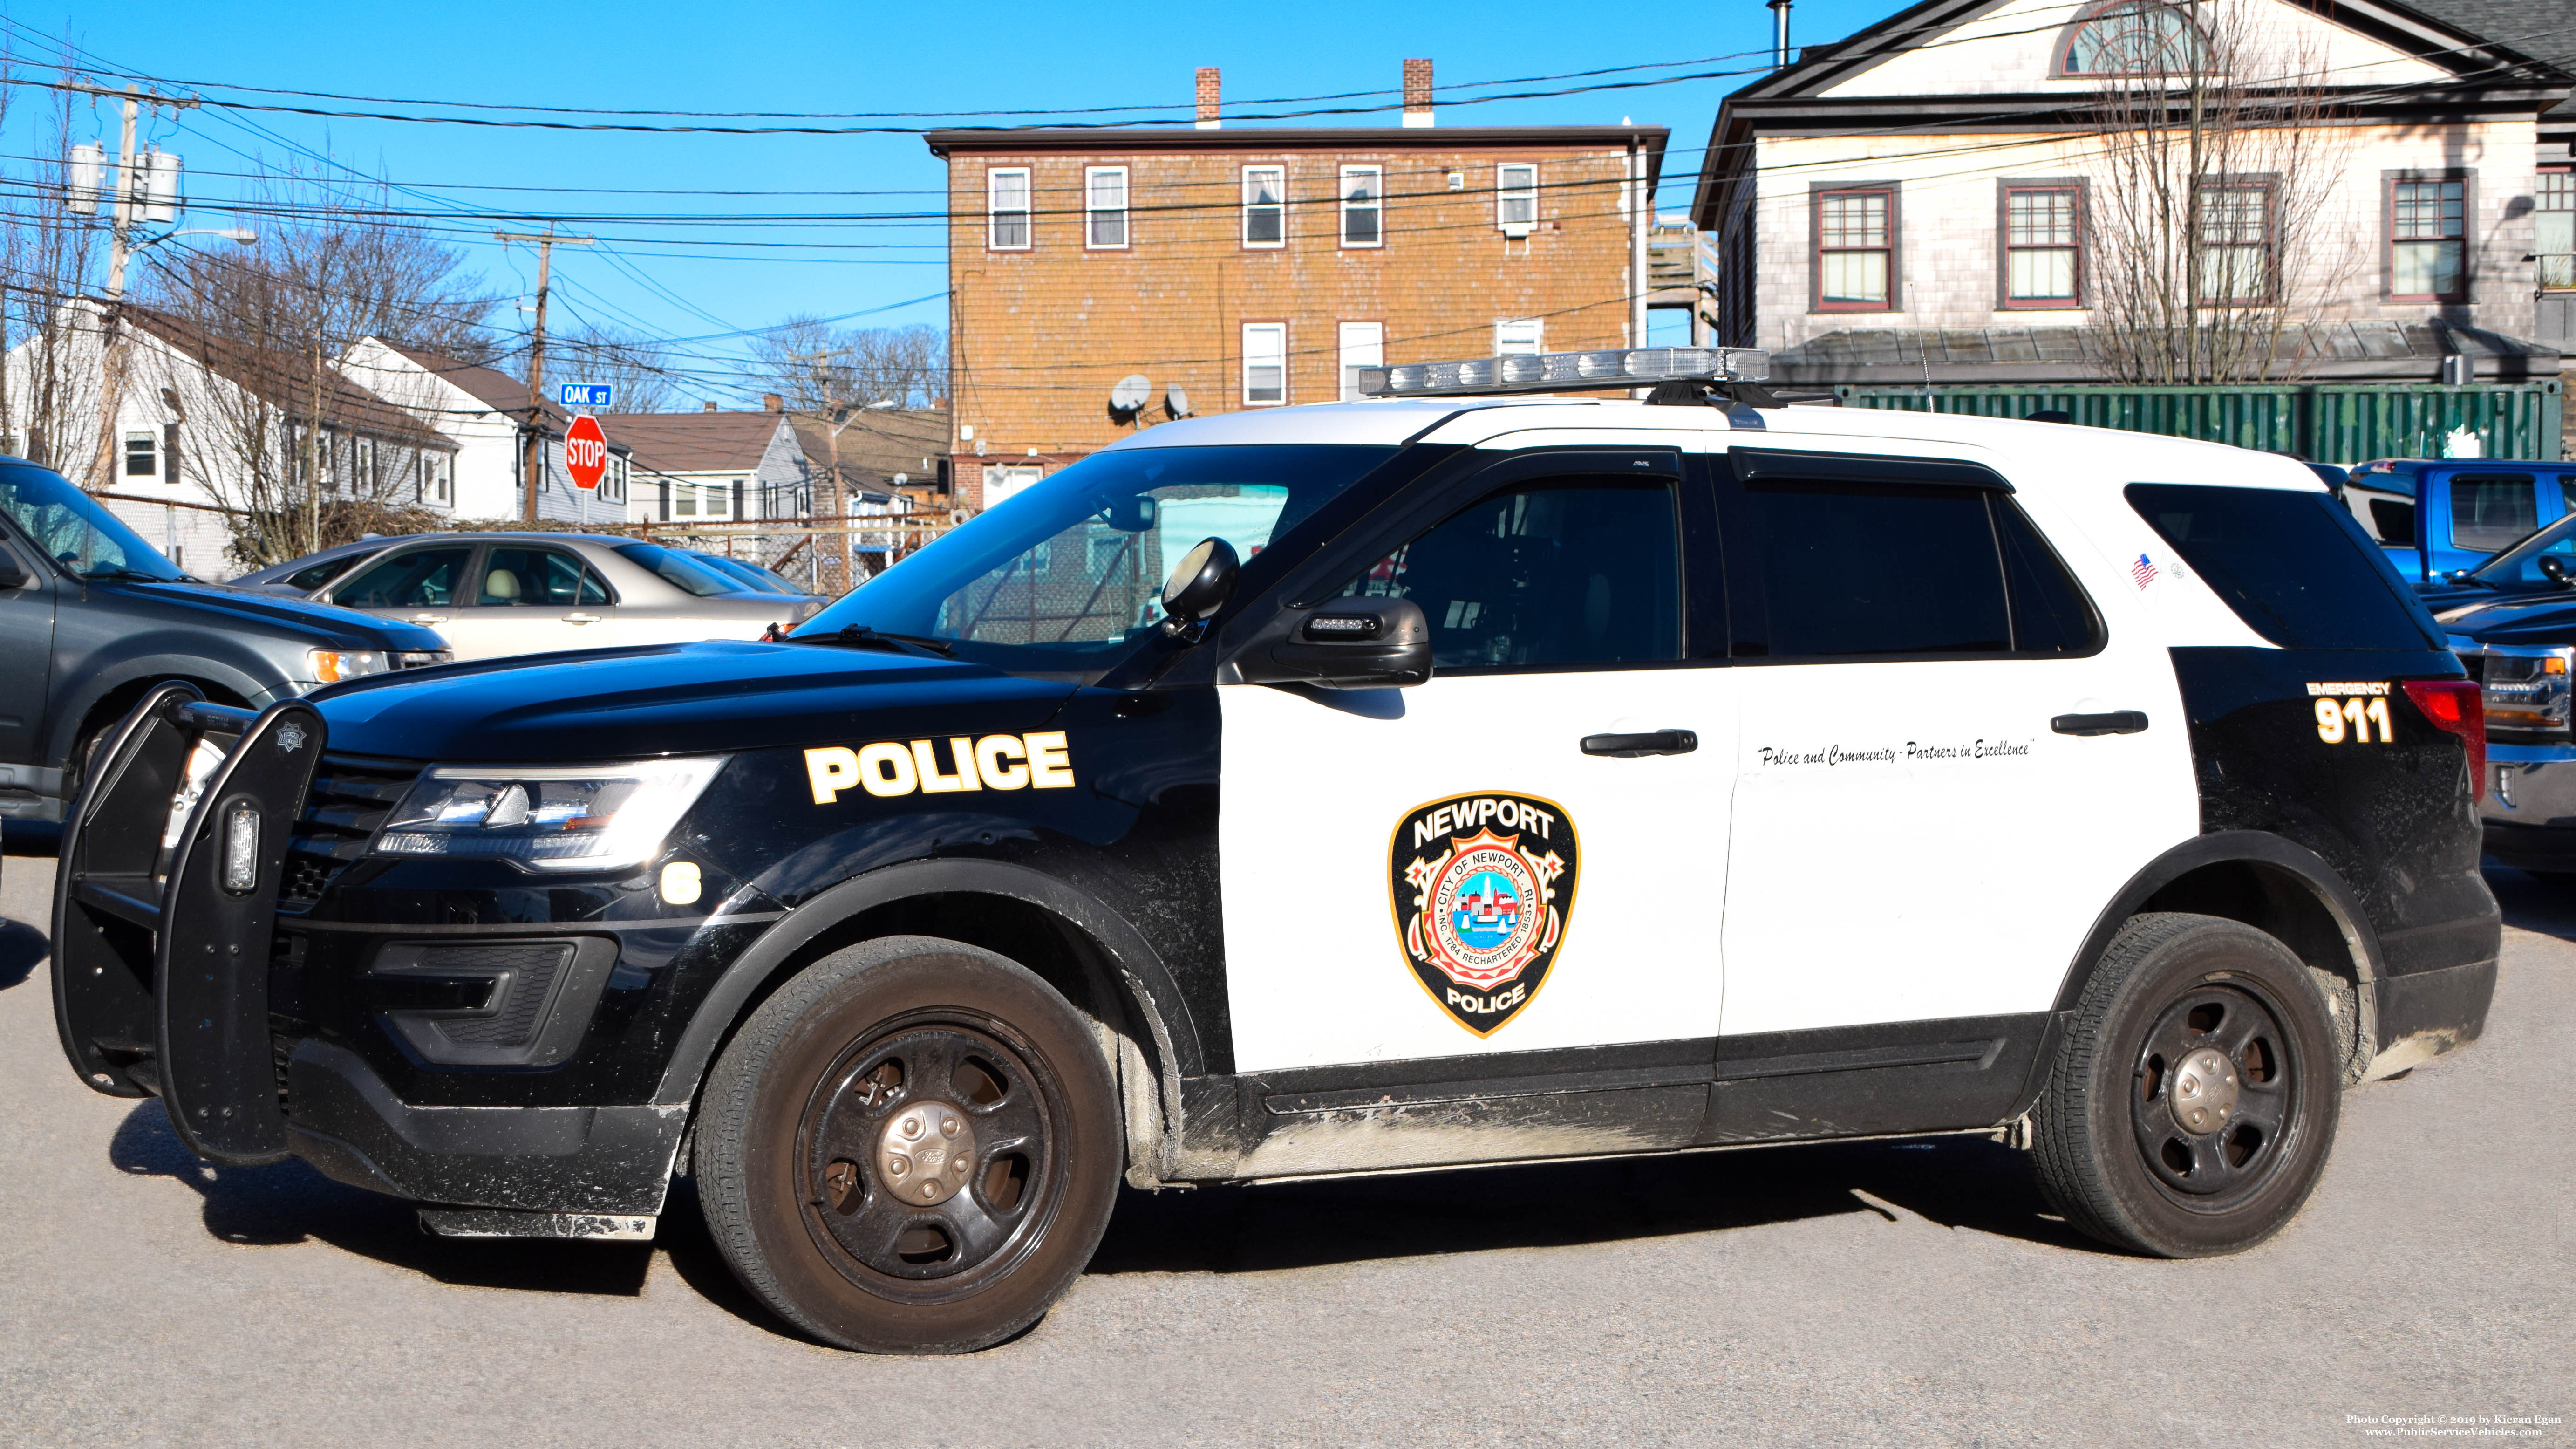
<point x="1176" y="402"/>
<point x="1127" y="399"/>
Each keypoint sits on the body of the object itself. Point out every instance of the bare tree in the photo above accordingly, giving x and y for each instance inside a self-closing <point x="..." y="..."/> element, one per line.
<point x="636" y="367"/>
<point x="2211" y="205"/>
<point x="49" y="375"/>
<point x="816" y="366"/>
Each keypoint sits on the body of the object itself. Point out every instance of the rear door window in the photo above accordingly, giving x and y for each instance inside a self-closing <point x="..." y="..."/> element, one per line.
<point x="2292" y="564"/>
<point x="2490" y="511"/>
<point x="537" y="577"/>
<point x="414" y="579"/>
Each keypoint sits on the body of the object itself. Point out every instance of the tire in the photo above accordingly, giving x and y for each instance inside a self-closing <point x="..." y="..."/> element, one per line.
<point x="833" y="1124"/>
<point x="2195" y="1097"/>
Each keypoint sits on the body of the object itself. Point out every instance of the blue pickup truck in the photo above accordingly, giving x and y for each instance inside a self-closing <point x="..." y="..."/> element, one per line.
<point x="2490" y="547"/>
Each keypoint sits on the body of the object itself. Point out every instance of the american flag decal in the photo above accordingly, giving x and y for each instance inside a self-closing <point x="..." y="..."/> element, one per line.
<point x="2143" y="571"/>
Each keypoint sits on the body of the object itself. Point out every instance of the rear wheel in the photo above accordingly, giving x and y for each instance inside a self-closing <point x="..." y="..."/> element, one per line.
<point x="912" y="1148"/>
<point x="2195" y="1099"/>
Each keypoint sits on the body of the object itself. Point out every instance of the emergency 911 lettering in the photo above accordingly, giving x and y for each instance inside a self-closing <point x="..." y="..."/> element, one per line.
<point x="2347" y="710"/>
<point x="889" y="768"/>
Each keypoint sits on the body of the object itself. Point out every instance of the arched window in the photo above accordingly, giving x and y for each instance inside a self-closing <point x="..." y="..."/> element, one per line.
<point x="2134" y="37"/>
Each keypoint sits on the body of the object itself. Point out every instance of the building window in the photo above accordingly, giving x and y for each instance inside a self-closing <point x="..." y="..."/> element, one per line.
<point x="2134" y="37"/>
<point x="433" y="484"/>
<point x="1516" y="197"/>
<point x="1104" y="207"/>
<point x="1856" y="250"/>
<point x="362" y="473"/>
<point x="2554" y="229"/>
<point x="326" y="452"/>
<point x="1362" y="344"/>
<point x="612" y="484"/>
<point x="1001" y="480"/>
<point x="140" y="459"/>
<point x="1265" y="206"/>
<point x="2428" y="240"/>
<point x="1520" y="337"/>
<point x="1265" y="363"/>
<point x="2235" y="250"/>
<point x="1006" y="209"/>
<point x="702" y="501"/>
<point x="2043" y="246"/>
<point x="1363" y="206"/>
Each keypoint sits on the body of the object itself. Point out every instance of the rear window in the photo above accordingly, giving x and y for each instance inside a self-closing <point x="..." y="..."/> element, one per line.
<point x="2293" y="565"/>
<point x="684" y="571"/>
<point x="2491" y="511"/>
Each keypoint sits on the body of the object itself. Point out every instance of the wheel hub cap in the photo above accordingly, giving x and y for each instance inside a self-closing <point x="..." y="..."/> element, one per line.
<point x="2205" y="1091"/>
<point x="926" y="1152"/>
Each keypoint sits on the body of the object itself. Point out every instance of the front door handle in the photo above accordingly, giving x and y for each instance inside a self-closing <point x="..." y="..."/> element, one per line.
<point x="2117" y="722"/>
<point x="429" y="618"/>
<point x="581" y="618"/>
<point x="1630" y="747"/>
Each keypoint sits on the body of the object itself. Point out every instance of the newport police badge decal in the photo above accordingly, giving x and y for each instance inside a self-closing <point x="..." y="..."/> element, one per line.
<point x="1483" y="886"/>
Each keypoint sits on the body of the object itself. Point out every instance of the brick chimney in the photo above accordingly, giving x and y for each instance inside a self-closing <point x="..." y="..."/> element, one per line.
<point x="1207" y="98"/>
<point x="706" y="407"/>
<point x="1417" y="93"/>
<point x="773" y="402"/>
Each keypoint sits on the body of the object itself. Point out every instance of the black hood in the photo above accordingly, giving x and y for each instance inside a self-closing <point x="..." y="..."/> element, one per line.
<point x="674" y="699"/>
<point x="323" y="623"/>
<point x="2508" y="618"/>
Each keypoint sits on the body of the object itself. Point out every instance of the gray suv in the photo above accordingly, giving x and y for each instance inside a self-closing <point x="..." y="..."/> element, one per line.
<point x="91" y="617"/>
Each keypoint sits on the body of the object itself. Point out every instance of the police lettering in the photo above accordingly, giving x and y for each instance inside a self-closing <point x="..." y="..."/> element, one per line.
<point x="1488" y="1005"/>
<point x="888" y="768"/>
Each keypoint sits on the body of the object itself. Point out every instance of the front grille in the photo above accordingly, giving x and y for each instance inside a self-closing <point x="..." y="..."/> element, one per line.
<point x="350" y="798"/>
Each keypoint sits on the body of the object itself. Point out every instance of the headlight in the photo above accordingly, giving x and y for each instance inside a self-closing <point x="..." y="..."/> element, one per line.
<point x="2526" y="688"/>
<point x="423" y="658"/>
<point x="330" y="666"/>
<point x="578" y="817"/>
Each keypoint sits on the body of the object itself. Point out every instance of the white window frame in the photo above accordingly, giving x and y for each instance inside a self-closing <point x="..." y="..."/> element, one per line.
<point x="1507" y="192"/>
<point x="1359" y="344"/>
<point x="702" y="502"/>
<point x="1010" y="478"/>
<point x="1279" y="207"/>
<point x="612" y="486"/>
<point x="1265" y="344"/>
<point x="151" y="442"/>
<point x="1375" y="206"/>
<point x="362" y="465"/>
<point x="1093" y="214"/>
<point x="994" y="211"/>
<point x="1520" y="336"/>
<point x="435" y="482"/>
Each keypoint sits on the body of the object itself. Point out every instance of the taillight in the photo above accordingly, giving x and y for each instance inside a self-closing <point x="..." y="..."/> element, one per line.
<point x="2454" y="705"/>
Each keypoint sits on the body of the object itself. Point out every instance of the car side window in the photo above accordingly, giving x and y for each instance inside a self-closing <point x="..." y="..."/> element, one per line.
<point x="419" y="578"/>
<point x="308" y="579"/>
<point x="1888" y="567"/>
<point x="539" y="577"/>
<point x="2490" y="511"/>
<point x="1555" y="573"/>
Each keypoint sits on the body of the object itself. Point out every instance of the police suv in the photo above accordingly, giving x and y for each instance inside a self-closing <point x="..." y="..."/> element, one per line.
<point x="1449" y="778"/>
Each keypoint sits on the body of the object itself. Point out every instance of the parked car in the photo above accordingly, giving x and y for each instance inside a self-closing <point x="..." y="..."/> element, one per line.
<point x="1350" y="789"/>
<point x="2438" y="517"/>
<point x="92" y="618"/>
<point x="497" y="594"/>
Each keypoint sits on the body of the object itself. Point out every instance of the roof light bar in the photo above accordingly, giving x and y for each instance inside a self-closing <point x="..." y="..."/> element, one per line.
<point x="1566" y="371"/>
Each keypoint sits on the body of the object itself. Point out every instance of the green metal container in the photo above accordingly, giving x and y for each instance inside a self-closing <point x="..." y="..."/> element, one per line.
<point x="2330" y="422"/>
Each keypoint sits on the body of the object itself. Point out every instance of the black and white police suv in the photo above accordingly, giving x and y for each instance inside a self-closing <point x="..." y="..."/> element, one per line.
<point x="1434" y="780"/>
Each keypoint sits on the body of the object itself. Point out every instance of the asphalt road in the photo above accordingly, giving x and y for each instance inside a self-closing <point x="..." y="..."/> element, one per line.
<point x="1909" y="1293"/>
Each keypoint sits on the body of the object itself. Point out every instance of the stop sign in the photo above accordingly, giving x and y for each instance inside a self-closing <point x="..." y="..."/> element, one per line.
<point x="585" y="452"/>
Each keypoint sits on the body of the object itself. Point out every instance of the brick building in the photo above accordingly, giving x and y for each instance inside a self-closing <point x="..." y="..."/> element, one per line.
<point x="1259" y="267"/>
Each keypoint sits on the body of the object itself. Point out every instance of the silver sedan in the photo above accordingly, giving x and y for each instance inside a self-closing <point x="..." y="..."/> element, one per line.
<point x="498" y="594"/>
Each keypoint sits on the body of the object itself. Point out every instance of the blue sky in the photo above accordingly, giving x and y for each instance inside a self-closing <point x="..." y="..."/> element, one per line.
<point x="677" y="279"/>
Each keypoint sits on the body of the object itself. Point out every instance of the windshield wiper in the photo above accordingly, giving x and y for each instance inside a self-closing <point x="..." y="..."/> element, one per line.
<point x="120" y="571"/>
<point x="860" y="636"/>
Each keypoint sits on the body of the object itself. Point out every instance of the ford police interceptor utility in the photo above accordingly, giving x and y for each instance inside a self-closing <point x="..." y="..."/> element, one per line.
<point x="1426" y="781"/>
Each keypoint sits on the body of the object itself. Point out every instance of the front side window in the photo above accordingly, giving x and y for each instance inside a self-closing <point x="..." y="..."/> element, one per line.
<point x="1887" y="567"/>
<point x="2428" y="241"/>
<point x="139" y="460"/>
<point x="421" y="578"/>
<point x="2490" y="511"/>
<point x="2041" y="246"/>
<point x="1265" y="363"/>
<point x="1516" y="197"/>
<point x="1362" y="344"/>
<point x="538" y="578"/>
<point x="2553" y="226"/>
<point x="1559" y="573"/>
<point x="1068" y="575"/>
<point x="1855" y="251"/>
<point x="1006" y="209"/>
<point x="1104" y="204"/>
<point x="2235" y="246"/>
<point x="1265" y="206"/>
<point x="1363" y="206"/>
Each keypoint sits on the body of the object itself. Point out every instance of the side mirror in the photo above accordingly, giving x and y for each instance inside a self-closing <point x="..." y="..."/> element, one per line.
<point x="1199" y="587"/>
<point x="1353" y="644"/>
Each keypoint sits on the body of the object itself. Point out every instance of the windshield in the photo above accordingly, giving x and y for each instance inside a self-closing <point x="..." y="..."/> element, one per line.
<point x="682" y="570"/>
<point x="73" y="530"/>
<point x="1067" y="573"/>
<point x="2513" y="565"/>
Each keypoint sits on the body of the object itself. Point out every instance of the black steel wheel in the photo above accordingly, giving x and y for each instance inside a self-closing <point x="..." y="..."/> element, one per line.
<point x="2194" y="1101"/>
<point x="912" y="1147"/>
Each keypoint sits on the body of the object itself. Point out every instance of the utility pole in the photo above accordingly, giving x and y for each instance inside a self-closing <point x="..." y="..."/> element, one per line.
<point x="836" y="416"/>
<point x="125" y="213"/>
<point x="533" y="471"/>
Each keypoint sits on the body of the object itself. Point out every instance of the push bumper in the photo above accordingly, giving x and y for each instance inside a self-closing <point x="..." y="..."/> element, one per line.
<point x="2528" y="807"/>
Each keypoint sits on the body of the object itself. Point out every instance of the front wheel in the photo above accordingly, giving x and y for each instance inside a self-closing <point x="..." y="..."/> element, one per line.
<point x="912" y="1147"/>
<point x="2193" y="1103"/>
